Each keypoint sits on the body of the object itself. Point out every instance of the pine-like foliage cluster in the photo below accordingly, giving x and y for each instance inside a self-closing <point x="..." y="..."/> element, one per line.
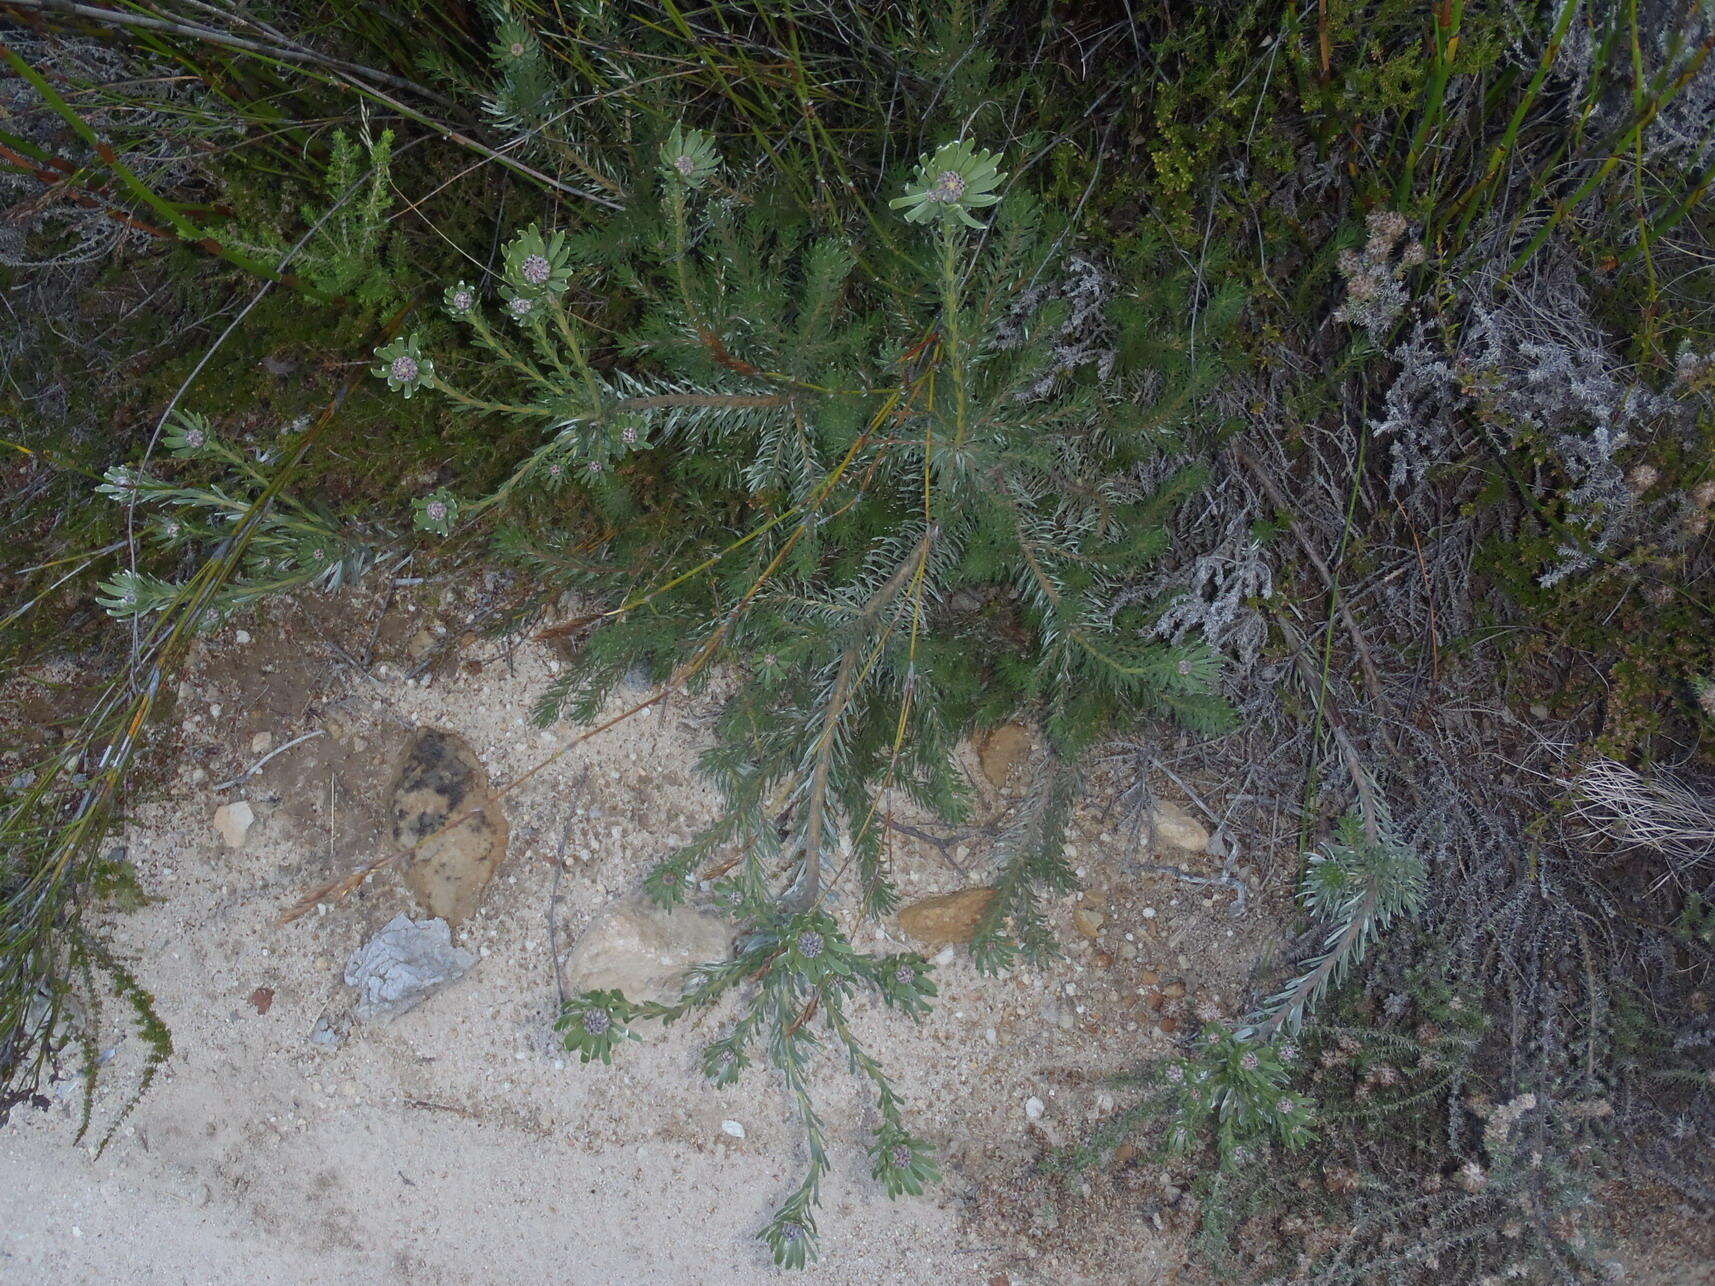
<point x="831" y="470"/>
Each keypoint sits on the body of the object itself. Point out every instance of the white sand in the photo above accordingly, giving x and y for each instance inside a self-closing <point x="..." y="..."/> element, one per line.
<point x="458" y="1144"/>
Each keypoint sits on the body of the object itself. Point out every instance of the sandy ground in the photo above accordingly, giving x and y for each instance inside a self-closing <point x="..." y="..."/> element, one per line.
<point x="458" y="1143"/>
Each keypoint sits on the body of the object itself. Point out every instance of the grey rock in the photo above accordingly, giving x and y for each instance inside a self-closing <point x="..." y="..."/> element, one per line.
<point x="402" y="965"/>
<point x="329" y="1031"/>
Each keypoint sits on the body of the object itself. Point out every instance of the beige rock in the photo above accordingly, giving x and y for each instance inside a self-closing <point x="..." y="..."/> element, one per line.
<point x="1173" y="827"/>
<point x="1002" y="750"/>
<point x="638" y="948"/>
<point x="233" y="821"/>
<point x="1088" y="922"/>
<point x="947" y="919"/>
<point x="444" y="818"/>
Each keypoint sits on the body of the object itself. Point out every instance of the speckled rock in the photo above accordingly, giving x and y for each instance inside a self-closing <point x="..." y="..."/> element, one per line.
<point x="441" y="781"/>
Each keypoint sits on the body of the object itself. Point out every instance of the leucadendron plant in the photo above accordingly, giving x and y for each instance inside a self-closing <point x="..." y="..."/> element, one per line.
<point x="847" y="472"/>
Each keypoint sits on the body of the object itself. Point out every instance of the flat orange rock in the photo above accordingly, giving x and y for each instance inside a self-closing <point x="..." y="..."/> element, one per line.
<point x="948" y="919"/>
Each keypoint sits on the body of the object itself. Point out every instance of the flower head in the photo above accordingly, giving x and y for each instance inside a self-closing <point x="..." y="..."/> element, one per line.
<point x="514" y="41"/>
<point x="689" y="157"/>
<point x="403" y="365"/>
<point x="950" y="184"/>
<point x="596" y="1021"/>
<point x="317" y="552"/>
<point x="810" y="944"/>
<point x="538" y="265"/>
<point x="437" y="511"/>
<point x="460" y="299"/>
<point x="189" y="436"/>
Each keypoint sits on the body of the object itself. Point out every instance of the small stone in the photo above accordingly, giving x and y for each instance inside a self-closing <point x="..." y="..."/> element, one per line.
<point x="1002" y="750"/>
<point x="643" y="951"/>
<point x="329" y="1032"/>
<point x="232" y="822"/>
<point x="1173" y="827"/>
<point x="402" y="965"/>
<point x="241" y="636"/>
<point x="261" y="743"/>
<point x="948" y="918"/>
<point x="262" y="999"/>
<point x="1088" y="922"/>
<point x="1034" y="1108"/>
<point x="732" y="1129"/>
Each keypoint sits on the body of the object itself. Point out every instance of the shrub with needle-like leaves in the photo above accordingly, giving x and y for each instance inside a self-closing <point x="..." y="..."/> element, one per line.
<point x="826" y="467"/>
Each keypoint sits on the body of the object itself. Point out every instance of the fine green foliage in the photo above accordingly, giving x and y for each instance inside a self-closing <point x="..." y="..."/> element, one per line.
<point x="1239" y="1088"/>
<point x="346" y="252"/>
<point x="871" y="500"/>
<point x="291" y="545"/>
<point x="813" y="401"/>
<point x="1357" y="887"/>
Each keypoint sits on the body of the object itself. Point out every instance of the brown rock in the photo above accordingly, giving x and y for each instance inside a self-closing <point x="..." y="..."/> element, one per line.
<point x="262" y="999"/>
<point x="1088" y="922"/>
<point x="1002" y="750"/>
<point x="947" y="919"/>
<point x="1174" y="989"/>
<point x="1172" y="827"/>
<point x="453" y="831"/>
